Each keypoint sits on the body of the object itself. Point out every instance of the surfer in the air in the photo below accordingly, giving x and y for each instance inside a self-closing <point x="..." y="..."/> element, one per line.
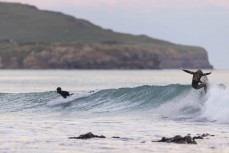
<point x="196" y="79"/>
<point x="64" y="94"/>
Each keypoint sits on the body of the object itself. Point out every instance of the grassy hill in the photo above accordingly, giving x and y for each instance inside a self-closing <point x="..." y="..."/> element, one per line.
<point x="26" y="32"/>
<point x="25" y="23"/>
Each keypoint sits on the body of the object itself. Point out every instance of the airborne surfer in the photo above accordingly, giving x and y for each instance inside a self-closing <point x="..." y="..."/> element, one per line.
<point x="196" y="79"/>
<point x="64" y="94"/>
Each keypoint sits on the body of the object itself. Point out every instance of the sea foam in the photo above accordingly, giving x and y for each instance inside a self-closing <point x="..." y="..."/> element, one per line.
<point x="216" y="107"/>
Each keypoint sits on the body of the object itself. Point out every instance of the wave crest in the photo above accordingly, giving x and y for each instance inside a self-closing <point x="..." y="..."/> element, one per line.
<point x="172" y="101"/>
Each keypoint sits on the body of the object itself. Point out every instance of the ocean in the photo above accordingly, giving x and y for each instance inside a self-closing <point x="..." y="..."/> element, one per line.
<point x="138" y="106"/>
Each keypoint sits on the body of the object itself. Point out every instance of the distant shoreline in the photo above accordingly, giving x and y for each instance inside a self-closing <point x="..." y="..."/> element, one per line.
<point x="36" y="39"/>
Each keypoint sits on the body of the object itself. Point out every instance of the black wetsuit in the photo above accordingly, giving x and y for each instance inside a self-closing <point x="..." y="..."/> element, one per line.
<point x="196" y="83"/>
<point x="64" y="94"/>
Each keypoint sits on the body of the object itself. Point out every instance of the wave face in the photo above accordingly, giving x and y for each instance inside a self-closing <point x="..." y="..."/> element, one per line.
<point x="179" y="102"/>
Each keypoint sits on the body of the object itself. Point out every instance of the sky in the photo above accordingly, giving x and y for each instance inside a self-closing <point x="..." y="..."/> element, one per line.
<point x="202" y="23"/>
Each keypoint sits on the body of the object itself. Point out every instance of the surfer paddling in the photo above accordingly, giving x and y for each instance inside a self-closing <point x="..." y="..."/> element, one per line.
<point x="196" y="79"/>
<point x="64" y="94"/>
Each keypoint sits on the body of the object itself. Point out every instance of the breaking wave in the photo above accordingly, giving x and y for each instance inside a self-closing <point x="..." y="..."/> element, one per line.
<point x="179" y="102"/>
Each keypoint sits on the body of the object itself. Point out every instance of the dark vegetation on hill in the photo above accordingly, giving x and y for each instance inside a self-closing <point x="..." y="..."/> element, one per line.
<point x="32" y="38"/>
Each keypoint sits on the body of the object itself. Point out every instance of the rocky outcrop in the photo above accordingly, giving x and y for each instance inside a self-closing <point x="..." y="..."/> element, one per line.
<point x="79" y="56"/>
<point x="179" y="139"/>
<point x="99" y="56"/>
<point x="184" y="140"/>
<point x="185" y="57"/>
<point x="176" y="139"/>
<point x="88" y="135"/>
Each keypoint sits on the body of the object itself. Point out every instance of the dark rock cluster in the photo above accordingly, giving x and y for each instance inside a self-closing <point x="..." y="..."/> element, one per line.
<point x="184" y="140"/>
<point x="198" y="136"/>
<point x="88" y="135"/>
<point x="176" y="139"/>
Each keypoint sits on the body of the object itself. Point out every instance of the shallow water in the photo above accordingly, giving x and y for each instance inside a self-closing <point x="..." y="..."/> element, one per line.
<point x="138" y="106"/>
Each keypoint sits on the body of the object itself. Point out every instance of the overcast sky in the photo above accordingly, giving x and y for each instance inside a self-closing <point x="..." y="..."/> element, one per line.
<point x="192" y="22"/>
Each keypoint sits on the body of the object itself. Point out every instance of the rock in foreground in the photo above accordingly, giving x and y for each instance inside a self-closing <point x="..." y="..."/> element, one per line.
<point x="184" y="140"/>
<point x="178" y="139"/>
<point x="88" y="135"/>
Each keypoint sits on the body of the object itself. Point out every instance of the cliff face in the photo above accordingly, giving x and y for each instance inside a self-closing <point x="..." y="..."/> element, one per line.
<point x="78" y="56"/>
<point x="188" y="57"/>
<point x="91" y="57"/>
<point x="35" y="39"/>
<point x="99" y="56"/>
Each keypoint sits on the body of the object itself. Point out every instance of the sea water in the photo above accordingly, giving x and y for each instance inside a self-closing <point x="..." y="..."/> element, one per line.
<point x="137" y="106"/>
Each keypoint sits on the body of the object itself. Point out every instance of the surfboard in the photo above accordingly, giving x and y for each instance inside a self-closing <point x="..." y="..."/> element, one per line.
<point x="60" y="100"/>
<point x="204" y="79"/>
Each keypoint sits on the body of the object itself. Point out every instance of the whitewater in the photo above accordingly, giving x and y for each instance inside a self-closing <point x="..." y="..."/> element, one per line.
<point x="138" y="106"/>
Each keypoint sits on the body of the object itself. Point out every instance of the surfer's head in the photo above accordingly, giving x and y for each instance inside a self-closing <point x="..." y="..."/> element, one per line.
<point x="58" y="89"/>
<point x="199" y="71"/>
